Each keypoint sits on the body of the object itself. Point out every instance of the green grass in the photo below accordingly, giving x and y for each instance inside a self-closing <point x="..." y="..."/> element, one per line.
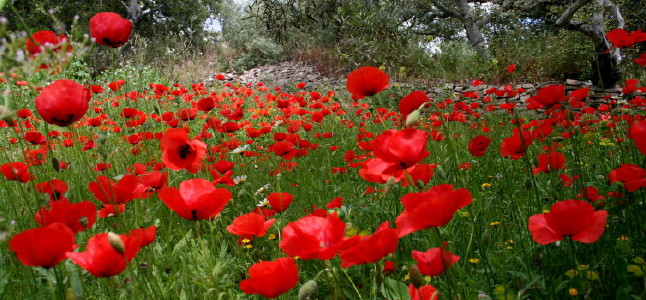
<point x="200" y="259"/>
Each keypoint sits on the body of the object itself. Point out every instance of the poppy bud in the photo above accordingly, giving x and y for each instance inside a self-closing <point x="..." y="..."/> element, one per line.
<point x="439" y="172"/>
<point x="415" y="276"/>
<point x="83" y="221"/>
<point x="102" y="138"/>
<point x="307" y="290"/>
<point x="412" y="118"/>
<point x="56" y="164"/>
<point x="6" y="115"/>
<point x="389" y="185"/>
<point x="70" y="294"/>
<point x="116" y="243"/>
<point x="528" y="183"/>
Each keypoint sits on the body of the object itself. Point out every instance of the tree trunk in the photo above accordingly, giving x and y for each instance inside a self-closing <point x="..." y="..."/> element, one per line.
<point x="474" y="34"/>
<point x="605" y="68"/>
<point x="134" y="11"/>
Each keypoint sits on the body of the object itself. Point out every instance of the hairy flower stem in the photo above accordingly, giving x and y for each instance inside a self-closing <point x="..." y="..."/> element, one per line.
<point x="60" y="281"/>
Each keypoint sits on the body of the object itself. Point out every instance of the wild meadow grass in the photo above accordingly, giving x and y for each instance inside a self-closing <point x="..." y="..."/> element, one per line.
<point x="499" y="259"/>
<point x="184" y="191"/>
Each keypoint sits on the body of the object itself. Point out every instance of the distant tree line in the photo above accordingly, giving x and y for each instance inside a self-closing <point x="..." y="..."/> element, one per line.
<point x="369" y="26"/>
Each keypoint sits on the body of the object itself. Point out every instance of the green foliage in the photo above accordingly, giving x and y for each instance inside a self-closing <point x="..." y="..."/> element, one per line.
<point x="247" y="44"/>
<point x="163" y="31"/>
<point x="458" y="61"/>
<point x="151" y="20"/>
<point x="542" y="55"/>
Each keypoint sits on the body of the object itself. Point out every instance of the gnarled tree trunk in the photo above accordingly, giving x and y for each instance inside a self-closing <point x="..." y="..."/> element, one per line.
<point x="605" y="69"/>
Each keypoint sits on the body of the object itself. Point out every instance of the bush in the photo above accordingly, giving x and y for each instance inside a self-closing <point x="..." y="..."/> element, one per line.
<point x="543" y="55"/>
<point x="244" y="41"/>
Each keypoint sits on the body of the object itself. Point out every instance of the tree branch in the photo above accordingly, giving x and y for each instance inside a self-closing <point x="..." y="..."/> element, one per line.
<point x="613" y="9"/>
<point x="567" y="15"/>
<point x="445" y="9"/>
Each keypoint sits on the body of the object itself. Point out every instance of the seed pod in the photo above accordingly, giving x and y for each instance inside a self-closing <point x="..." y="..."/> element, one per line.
<point x="415" y="276"/>
<point x="116" y="243"/>
<point x="412" y="118"/>
<point x="307" y="290"/>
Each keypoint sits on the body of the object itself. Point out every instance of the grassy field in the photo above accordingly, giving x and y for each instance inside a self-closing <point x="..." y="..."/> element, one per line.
<point x="382" y="192"/>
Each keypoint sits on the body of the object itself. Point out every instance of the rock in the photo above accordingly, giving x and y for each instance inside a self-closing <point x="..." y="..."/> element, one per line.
<point x="573" y="82"/>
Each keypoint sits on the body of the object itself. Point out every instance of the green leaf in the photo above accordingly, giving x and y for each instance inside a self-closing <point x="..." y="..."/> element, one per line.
<point x="393" y="289"/>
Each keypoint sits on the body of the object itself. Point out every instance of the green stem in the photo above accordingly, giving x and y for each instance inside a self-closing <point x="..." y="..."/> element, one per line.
<point x="352" y="282"/>
<point x="60" y="282"/>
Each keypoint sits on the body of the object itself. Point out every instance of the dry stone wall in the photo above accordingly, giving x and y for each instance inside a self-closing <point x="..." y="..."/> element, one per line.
<point x="289" y="73"/>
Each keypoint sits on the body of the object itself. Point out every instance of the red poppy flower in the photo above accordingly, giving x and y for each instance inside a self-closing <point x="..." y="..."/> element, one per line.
<point x="632" y="177"/>
<point x="16" y="171"/>
<point x="106" y="254"/>
<point x="389" y="267"/>
<point x="223" y="166"/>
<point x="434" y="261"/>
<point x="366" y="81"/>
<point x="426" y="292"/>
<point x="432" y="208"/>
<point x="620" y="38"/>
<point x="284" y="149"/>
<point x="124" y="191"/>
<point x="567" y="180"/>
<point x="271" y="278"/>
<point x="196" y="199"/>
<point x="220" y="77"/>
<point x="45" y="39"/>
<point x="111" y="210"/>
<point x="152" y="181"/>
<point x="96" y="89"/>
<point x="335" y="203"/>
<point x="116" y="85"/>
<point x="574" y="218"/>
<point x="35" y="138"/>
<point x="280" y="201"/>
<point x="250" y="225"/>
<point x="641" y="60"/>
<point x="412" y="102"/>
<point x="549" y="96"/>
<point x="63" y="102"/>
<point x="478" y="145"/>
<point x="515" y="147"/>
<point x="315" y="237"/>
<point x="406" y="147"/>
<point x="511" y="68"/>
<point x="590" y="193"/>
<point x="110" y="29"/>
<point x="179" y="152"/>
<point x="380" y="171"/>
<point x="77" y="216"/>
<point x="55" y="188"/>
<point x="144" y="236"/>
<point x="371" y="248"/>
<point x="23" y="113"/>
<point x="44" y="246"/>
<point x="638" y="134"/>
<point x="265" y="212"/>
<point x="206" y="104"/>
<point x="549" y="162"/>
